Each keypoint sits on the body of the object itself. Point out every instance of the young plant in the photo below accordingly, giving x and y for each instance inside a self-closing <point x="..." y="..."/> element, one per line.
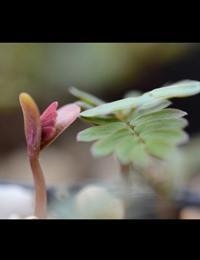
<point x="40" y="131"/>
<point x="136" y="129"/>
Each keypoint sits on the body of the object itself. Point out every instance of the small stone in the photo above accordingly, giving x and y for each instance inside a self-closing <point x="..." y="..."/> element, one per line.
<point x="190" y="213"/>
<point x="14" y="216"/>
<point x="31" y="217"/>
<point x="94" y="202"/>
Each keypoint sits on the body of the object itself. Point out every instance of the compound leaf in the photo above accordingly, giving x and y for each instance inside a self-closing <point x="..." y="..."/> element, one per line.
<point x="137" y="128"/>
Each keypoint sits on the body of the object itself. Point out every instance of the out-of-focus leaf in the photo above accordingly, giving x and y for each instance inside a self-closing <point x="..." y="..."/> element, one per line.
<point x="83" y="105"/>
<point x="97" y="132"/>
<point x="183" y="88"/>
<point x="171" y="136"/>
<point x="119" y="105"/>
<point x="165" y="114"/>
<point x="139" y="155"/>
<point x="107" y="145"/>
<point x="159" y="148"/>
<point x="161" y="124"/>
<point x="153" y="106"/>
<point x="124" y="147"/>
<point x="111" y="107"/>
<point x="144" y="126"/>
<point x="180" y="89"/>
<point x="130" y="149"/>
<point x="100" y="120"/>
<point x="85" y="97"/>
<point x="133" y="93"/>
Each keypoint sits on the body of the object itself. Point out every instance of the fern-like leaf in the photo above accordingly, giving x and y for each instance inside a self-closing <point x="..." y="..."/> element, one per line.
<point x="137" y="128"/>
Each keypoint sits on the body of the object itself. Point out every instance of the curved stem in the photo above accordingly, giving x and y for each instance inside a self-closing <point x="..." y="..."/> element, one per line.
<point x="125" y="171"/>
<point x="126" y="183"/>
<point x="147" y="177"/>
<point x="40" y="189"/>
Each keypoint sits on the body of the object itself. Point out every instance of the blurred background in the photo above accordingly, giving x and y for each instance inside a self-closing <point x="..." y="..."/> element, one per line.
<point x="108" y="70"/>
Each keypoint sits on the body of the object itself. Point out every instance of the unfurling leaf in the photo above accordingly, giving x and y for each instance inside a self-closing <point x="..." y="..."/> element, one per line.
<point x="41" y="130"/>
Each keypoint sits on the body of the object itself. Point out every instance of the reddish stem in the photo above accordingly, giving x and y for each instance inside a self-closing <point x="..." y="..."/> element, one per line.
<point x="40" y="189"/>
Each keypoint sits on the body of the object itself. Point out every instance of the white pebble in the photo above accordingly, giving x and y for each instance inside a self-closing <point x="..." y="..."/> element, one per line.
<point x="15" y="199"/>
<point x="94" y="202"/>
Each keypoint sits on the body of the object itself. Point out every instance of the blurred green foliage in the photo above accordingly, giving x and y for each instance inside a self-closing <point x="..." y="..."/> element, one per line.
<point x="46" y="70"/>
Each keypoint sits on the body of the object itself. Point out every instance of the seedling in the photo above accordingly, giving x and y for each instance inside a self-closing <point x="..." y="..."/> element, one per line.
<point x="138" y="130"/>
<point x="40" y="131"/>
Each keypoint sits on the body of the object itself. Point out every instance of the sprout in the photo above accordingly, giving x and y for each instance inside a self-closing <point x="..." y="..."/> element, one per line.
<point x="40" y="131"/>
